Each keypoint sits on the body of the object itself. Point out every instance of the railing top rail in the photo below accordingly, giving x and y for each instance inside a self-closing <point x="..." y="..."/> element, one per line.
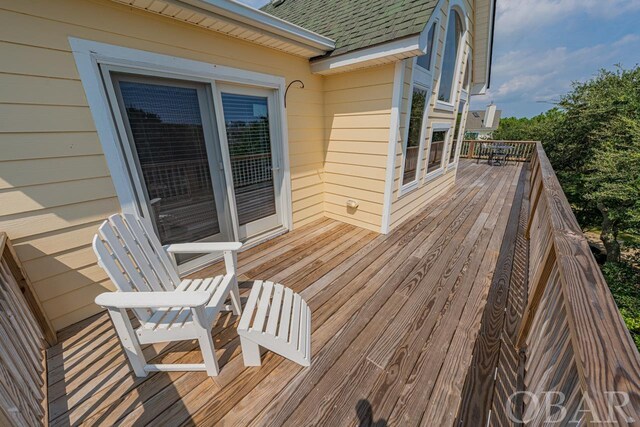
<point x="606" y="356"/>
<point x="501" y="140"/>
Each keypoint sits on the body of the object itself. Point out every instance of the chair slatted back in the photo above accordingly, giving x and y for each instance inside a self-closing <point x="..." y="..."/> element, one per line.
<point x="134" y="258"/>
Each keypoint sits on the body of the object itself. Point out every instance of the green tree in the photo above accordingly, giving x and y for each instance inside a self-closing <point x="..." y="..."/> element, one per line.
<point x="592" y="139"/>
<point x="594" y="149"/>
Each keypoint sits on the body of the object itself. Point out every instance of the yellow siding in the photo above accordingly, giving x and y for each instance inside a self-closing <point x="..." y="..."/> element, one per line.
<point x="404" y="206"/>
<point x="358" y="115"/>
<point x="55" y="187"/>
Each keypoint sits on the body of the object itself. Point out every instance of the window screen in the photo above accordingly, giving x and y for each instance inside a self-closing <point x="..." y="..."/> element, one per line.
<point x="247" y="125"/>
<point x="165" y="122"/>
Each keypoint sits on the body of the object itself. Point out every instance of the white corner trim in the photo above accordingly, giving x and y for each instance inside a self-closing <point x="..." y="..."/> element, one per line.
<point x="407" y="46"/>
<point x="262" y="20"/>
<point x="394" y="129"/>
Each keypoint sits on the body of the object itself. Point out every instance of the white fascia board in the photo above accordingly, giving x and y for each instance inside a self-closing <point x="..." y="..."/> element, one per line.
<point x="258" y="19"/>
<point x="407" y="47"/>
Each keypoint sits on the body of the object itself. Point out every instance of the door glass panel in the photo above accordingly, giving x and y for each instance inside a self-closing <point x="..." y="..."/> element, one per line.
<point x="167" y="130"/>
<point x="247" y="125"/>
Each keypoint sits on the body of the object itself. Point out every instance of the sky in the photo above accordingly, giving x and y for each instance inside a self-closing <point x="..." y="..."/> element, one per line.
<point x="542" y="46"/>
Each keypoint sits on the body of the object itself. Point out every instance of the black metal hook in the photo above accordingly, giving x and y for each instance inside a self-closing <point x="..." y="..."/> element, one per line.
<point x="287" y="90"/>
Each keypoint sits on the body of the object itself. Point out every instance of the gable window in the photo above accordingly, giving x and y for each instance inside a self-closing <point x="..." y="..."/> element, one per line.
<point x="412" y="148"/>
<point x="426" y="61"/>
<point x="450" y="57"/>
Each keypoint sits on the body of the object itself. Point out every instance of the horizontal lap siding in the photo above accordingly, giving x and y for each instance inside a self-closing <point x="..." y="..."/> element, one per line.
<point x="357" y="118"/>
<point x="405" y="206"/>
<point x="55" y="187"/>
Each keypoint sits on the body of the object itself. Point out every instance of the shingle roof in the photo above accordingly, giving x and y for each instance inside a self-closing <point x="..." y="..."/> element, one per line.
<point x="475" y="121"/>
<point x="356" y="24"/>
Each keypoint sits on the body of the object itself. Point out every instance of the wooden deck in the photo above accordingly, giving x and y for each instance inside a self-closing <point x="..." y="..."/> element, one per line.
<point x="395" y="321"/>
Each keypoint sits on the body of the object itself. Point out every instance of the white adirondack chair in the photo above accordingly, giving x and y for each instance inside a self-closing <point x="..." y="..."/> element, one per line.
<point x="168" y="308"/>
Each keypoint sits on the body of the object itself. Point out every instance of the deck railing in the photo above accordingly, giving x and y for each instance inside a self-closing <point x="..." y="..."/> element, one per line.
<point x="521" y="151"/>
<point x="23" y="339"/>
<point x="574" y="338"/>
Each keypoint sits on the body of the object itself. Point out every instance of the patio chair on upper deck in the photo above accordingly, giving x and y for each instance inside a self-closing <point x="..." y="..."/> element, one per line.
<point x="168" y="308"/>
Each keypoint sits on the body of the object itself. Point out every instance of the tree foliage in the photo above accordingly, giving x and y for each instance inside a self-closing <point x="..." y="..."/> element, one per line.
<point x="592" y="139"/>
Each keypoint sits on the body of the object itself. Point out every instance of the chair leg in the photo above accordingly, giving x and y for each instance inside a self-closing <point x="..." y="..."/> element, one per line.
<point x="208" y="353"/>
<point x="236" y="305"/>
<point x="129" y="341"/>
<point x="250" y="352"/>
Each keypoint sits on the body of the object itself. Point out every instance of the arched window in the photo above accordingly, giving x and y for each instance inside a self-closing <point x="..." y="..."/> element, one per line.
<point x="450" y="58"/>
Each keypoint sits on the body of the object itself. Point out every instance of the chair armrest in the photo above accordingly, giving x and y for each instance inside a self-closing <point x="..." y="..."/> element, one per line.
<point x="152" y="299"/>
<point x="202" y="247"/>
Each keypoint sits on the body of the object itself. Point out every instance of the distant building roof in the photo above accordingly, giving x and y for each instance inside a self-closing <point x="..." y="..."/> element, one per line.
<point x="475" y="121"/>
<point x="356" y="24"/>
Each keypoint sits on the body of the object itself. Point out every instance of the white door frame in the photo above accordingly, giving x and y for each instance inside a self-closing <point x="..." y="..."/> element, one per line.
<point x="91" y="55"/>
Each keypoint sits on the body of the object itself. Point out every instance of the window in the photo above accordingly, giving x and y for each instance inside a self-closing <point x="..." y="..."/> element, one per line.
<point x="412" y="149"/>
<point x="458" y="132"/>
<point x="426" y="61"/>
<point x="438" y="137"/>
<point x="464" y="99"/>
<point x="450" y="58"/>
<point x="467" y="75"/>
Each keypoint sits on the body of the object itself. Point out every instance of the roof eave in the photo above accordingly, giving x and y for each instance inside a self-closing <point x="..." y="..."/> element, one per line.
<point x="392" y="51"/>
<point x="259" y="19"/>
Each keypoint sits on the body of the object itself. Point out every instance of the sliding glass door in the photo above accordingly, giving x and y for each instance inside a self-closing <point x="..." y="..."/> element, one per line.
<point x="203" y="159"/>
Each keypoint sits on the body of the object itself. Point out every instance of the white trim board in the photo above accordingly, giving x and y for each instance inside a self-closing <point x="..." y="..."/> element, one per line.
<point x="394" y="131"/>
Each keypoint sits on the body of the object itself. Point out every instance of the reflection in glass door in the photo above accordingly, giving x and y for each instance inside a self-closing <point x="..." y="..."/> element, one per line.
<point x="255" y="172"/>
<point x="173" y="146"/>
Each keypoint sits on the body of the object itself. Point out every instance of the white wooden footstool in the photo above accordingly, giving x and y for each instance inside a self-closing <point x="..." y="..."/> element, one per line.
<point x="277" y="319"/>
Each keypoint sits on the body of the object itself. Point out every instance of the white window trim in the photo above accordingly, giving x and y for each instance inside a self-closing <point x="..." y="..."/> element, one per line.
<point x="89" y="55"/>
<point x="459" y="7"/>
<point x="464" y="96"/>
<point x="410" y="186"/>
<point x="437" y="127"/>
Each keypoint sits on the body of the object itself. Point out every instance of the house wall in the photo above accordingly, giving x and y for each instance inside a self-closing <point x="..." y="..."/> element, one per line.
<point x="55" y="187"/>
<point x="406" y="205"/>
<point x="358" y="115"/>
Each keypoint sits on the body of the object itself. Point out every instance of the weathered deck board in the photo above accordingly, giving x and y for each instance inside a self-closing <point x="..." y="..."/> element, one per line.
<point x="394" y="322"/>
